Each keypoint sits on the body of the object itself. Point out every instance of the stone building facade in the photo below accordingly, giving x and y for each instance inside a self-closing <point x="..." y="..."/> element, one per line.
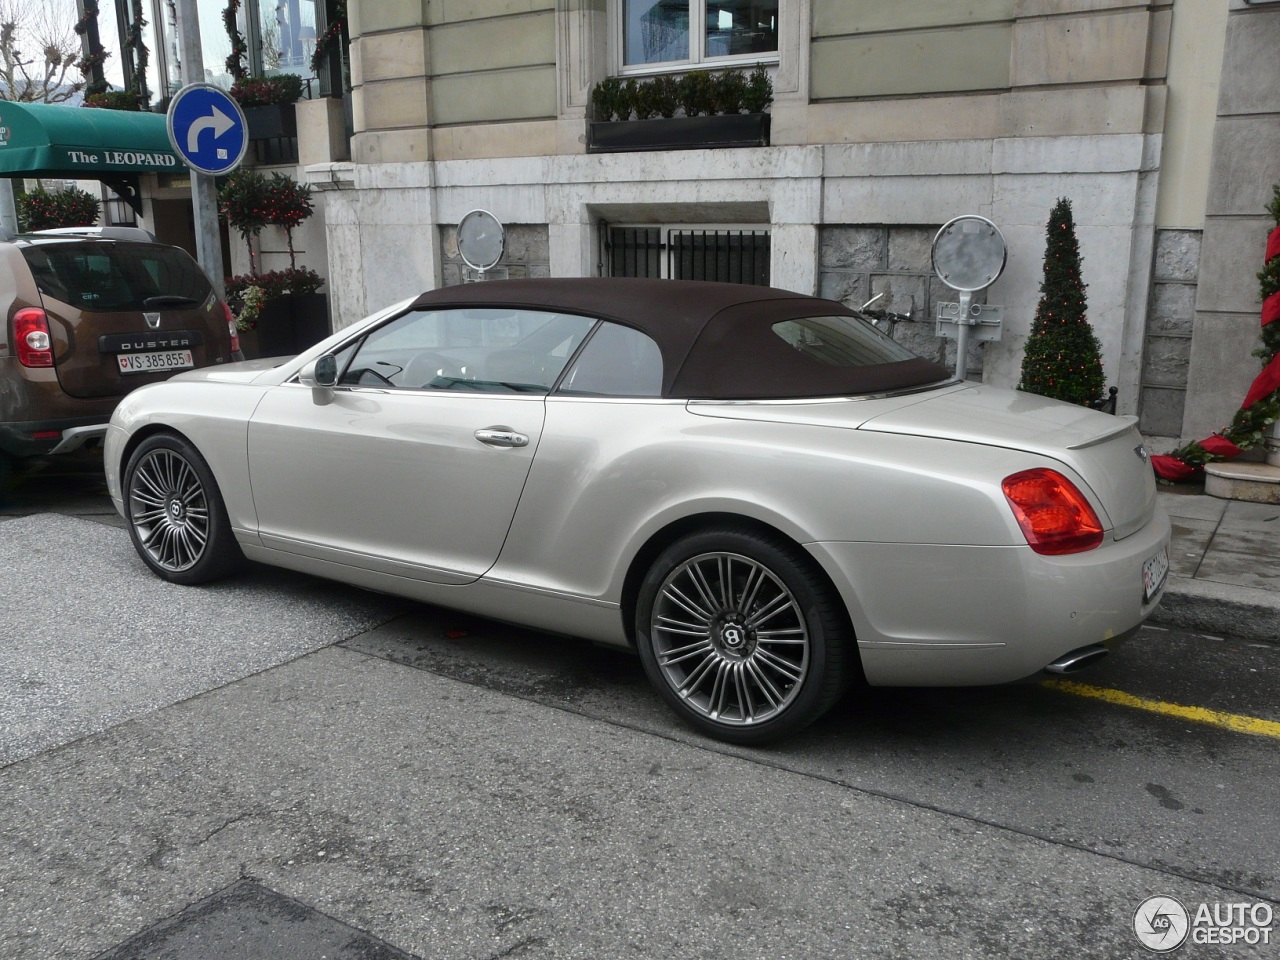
<point x="888" y="120"/>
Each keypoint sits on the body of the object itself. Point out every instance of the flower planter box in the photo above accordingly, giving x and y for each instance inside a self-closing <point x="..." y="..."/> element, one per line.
<point x="287" y="326"/>
<point x="678" y="133"/>
<point x="275" y="121"/>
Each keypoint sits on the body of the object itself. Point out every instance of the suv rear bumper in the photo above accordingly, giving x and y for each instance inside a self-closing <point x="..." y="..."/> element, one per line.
<point x="20" y="440"/>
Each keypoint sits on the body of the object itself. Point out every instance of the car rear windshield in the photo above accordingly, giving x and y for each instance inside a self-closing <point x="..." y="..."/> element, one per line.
<point x="115" y="276"/>
<point x="841" y="341"/>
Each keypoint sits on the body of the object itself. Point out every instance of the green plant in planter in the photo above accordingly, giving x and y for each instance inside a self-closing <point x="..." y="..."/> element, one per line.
<point x="665" y="93"/>
<point x="730" y="91"/>
<point x="251" y="202"/>
<point x="275" y="283"/>
<point x="642" y="99"/>
<point x="287" y="204"/>
<point x="243" y="202"/>
<point x="41" y="210"/>
<point x="1062" y="358"/>
<point x="759" y="93"/>
<point x="250" y="300"/>
<point x="113" y="100"/>
<point x="279" y="89"/>
<point x="605" y="97"/>
<point x="697" y="93"/>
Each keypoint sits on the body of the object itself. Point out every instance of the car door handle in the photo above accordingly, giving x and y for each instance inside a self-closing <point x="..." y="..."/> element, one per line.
<point x="501" y="437"/>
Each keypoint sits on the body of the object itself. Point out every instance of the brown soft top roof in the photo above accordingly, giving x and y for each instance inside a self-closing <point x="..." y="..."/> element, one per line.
<point x="716" y="339"/>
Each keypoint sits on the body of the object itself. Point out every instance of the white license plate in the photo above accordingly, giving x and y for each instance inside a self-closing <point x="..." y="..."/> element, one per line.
<point x="1154" y="572"/>
<point x="155" y="360"/>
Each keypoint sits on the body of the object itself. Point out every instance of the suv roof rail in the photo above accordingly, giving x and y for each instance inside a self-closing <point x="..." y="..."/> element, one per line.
<point x="106" y="233"/>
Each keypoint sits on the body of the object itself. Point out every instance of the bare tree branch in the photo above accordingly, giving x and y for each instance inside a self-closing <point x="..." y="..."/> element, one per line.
<point x="38" y="50"/>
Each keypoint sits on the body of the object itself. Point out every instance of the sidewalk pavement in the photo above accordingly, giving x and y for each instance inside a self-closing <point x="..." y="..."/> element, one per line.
<point x="1224" y="566"/>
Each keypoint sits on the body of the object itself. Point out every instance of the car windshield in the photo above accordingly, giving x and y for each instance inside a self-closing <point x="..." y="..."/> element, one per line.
<point x="116" y="276"/>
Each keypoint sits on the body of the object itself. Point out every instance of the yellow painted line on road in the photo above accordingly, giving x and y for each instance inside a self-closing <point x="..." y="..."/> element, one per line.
<point x="1216" y="718"/>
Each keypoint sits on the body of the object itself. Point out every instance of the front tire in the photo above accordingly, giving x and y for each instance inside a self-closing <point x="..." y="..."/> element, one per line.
<point x="175" y="514"/>
<point x="742" y="635"/>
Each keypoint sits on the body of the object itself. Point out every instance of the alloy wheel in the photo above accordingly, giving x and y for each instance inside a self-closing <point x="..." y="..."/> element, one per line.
<point x="730" y="639"/>
<point x="169" y="510"/>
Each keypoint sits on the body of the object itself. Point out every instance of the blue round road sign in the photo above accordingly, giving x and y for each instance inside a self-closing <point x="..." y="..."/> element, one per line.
<point x="207" y="129"/>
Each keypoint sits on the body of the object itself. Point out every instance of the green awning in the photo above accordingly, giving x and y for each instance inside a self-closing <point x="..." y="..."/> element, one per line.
<point x="44" y="140"/>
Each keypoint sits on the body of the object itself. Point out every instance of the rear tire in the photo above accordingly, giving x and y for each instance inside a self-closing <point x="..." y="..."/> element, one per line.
<point x="742" y="635"/>
<point x="175" y="514"/>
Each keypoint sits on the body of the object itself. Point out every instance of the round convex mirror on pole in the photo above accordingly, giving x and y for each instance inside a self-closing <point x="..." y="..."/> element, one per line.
<point x="481" y="242"/>
<point x="969" y="254"/>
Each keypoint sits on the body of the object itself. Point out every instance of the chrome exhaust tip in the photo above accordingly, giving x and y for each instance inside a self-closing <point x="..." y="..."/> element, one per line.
<point x="1078" y="659"/>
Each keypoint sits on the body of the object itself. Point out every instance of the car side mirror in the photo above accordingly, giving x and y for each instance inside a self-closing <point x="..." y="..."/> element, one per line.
<point x="321" y="375"/>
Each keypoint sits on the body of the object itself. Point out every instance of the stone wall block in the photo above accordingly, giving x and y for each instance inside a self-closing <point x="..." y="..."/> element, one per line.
<point x="844" y="286"/>
<point x="903" y="293"/>
<point x="1173" y="308"/>
<point x="1166" y="361"/>
<point x="1233" y="253"/>
<point x="1162" y="411"/>
<point x="1177" y="254"/>
<point x="1251" y="42"/>
<point x="910" y="247"/>
<point x="1246" y="162"/>
<point x="528" y="243"/>
<point x="921" y="339"/>
<point x="858" y="247"/>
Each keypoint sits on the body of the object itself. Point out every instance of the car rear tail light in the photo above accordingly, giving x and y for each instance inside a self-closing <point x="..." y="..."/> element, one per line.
<point x="232" y="328"/>
<point x="31" y="338"/>
<point x="1054" y="515"/>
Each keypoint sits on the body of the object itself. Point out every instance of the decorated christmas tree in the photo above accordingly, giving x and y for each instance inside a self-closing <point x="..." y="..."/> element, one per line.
<point x="1062" y="358"/>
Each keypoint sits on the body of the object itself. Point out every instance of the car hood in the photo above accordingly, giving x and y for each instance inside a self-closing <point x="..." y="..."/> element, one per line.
<point x="1106" y="451"/>
<point x="245" y="371"/>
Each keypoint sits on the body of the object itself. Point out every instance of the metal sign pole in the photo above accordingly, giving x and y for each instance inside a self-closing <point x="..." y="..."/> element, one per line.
<point x="962" y="335"/>
<point x="204" y="194"/>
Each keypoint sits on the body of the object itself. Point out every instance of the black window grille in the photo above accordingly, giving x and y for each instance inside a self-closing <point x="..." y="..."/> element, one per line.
<point x="726" y="256"/>
<point x="635" y="252"/>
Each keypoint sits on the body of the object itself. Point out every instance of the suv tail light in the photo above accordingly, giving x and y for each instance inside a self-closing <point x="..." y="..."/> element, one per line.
<point x="231" y="327"/>
<point x="31" y="338"/>
<point x="1054" y="515"/>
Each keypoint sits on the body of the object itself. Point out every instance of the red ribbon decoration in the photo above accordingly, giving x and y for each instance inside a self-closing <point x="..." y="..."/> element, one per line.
<point x="1273" y="245"/>
<point x="1271" y="308"/>
<point x="1220" y="446"/>
<point x="1172" y="469"/>
<point x="1264" y="384"/>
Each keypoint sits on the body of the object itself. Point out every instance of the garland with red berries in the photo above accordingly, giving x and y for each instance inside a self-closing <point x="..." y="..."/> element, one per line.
<point x="90" y="64"/>
<point x="133" y="41"/>
<point x="1261" y="407"/>
<point x="235" y="61"/>
<point x="334" y="34"/>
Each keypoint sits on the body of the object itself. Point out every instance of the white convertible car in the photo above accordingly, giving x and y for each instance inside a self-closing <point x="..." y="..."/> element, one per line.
<point x="760" y="493"/>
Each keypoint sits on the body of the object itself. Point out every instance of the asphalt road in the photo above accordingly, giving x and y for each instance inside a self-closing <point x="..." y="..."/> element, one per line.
<point x="299" y="759"/>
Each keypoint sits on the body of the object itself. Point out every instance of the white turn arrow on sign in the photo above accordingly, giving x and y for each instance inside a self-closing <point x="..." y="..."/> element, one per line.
<point x="219" y="122"/>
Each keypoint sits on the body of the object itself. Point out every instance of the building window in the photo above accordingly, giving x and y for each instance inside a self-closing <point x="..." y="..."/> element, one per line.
<point x="281" y="37"/>
<point x="726" y="254"/>
<point x="671" y="33"/>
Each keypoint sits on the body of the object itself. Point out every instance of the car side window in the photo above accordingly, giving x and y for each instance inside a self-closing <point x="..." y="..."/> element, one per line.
<point x="481" y="350"/>
<point x="616" y="362"/>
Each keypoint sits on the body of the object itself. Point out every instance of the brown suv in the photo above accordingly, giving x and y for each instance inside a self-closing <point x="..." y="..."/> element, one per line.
<point x="90" y="314"/>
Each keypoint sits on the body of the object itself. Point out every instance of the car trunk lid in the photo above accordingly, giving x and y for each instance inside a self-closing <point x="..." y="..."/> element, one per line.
<point x="1104" y="450"/>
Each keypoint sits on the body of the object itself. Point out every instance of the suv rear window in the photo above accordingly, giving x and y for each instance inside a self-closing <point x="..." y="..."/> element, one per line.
<point x="115" y="276"/>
